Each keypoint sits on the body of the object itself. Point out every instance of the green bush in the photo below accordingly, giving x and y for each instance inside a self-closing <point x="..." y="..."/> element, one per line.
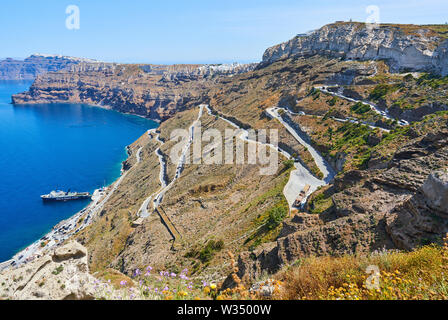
<point x="276" y="216"/>
<point x="288" y="164"/>
<point x="332" y="101"/>
<point x="380" y="91"/>
<point x="207" y="253"/>
<point x="320" y="203"/>
<point x="315" y="93"/>
<point x="58" y="270"/>
<point x="432" y="81"/>
<point x="360" y="108"/>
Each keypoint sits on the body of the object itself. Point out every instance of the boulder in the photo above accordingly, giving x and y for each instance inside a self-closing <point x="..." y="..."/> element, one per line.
<point x="435" y="190"/>
<point x="71" y="250"/>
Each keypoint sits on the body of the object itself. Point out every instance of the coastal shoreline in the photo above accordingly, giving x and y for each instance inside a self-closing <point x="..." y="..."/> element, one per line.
<point x="105" y="107"/>
<point x="71" y="226"/>
<point x="61" y="231"/>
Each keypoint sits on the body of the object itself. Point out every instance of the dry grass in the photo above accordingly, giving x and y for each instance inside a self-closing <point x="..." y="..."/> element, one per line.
<point x="114" y="276"/>
<point x="419" y="274"/>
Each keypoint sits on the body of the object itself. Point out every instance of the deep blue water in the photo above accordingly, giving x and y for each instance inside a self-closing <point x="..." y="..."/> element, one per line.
<point x="54" y="146"/>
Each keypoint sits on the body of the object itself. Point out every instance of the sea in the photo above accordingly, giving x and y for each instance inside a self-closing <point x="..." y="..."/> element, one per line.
<point x="47" y="147"/>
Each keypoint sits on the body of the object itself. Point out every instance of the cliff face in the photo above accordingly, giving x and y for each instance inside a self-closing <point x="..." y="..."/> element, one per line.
<point x="35" y="65"/>
<point x="404" y="47"/>
<point x="153" y="91"/>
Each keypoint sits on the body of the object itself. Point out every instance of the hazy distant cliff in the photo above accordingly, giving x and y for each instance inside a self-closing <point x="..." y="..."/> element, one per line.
<point x="404" y="47"/>
<point x="34" y="65"/>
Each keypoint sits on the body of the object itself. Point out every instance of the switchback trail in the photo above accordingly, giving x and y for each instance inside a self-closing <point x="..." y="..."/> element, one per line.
<point x="301" y="176"/>
<point x="375" y="108"/>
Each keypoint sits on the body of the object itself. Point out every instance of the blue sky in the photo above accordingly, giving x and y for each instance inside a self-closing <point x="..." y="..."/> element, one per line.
<point x="194" y="31"/>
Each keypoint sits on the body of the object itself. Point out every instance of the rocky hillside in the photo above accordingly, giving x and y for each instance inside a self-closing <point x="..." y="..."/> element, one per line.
<point x="341" y="100"/>
<point x="404" y="47"/>
<point x="36" y="64"/>
<point x="380" y="173"/>
<point x="400" y="207"/>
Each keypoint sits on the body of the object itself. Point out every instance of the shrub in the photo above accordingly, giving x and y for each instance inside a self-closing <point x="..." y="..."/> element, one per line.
<point x="58" y="270"/>
<point x="288" y="164"/>
<point x="380" y="91"/>
<point x="332" y="101"/>
<point x="320" y="203"/>
<point x="360" y="108"/>
<point x="408" y="78"/>
<point x="207" y="253"/>
<point x="276" y="216"/>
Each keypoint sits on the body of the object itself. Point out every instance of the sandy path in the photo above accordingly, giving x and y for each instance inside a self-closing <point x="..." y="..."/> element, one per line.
<point x="143" y="211"/>
<point x="299" y="177"/>
<point x="157" y="197"/>
<point x="339" y="94"/>
<point x="321" y="163"/>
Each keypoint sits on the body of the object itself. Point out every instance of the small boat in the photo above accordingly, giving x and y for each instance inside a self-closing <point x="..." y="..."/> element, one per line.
<point x="65" y="196"/>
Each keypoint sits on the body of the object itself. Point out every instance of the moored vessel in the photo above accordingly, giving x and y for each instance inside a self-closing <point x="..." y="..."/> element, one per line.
<point x="65" y="196"/>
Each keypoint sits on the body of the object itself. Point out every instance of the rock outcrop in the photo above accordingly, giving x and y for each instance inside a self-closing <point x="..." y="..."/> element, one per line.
<point x="435" y="190"/>
<point x="422" y="218"/>
<point x="62" y="274"/>
<point x="404" y="47"/>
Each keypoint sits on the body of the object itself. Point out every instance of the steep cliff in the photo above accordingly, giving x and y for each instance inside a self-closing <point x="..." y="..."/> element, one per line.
<point x="404" y="47"/>
<point x="36" y="64"/>
<point x="155" y="91"/>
